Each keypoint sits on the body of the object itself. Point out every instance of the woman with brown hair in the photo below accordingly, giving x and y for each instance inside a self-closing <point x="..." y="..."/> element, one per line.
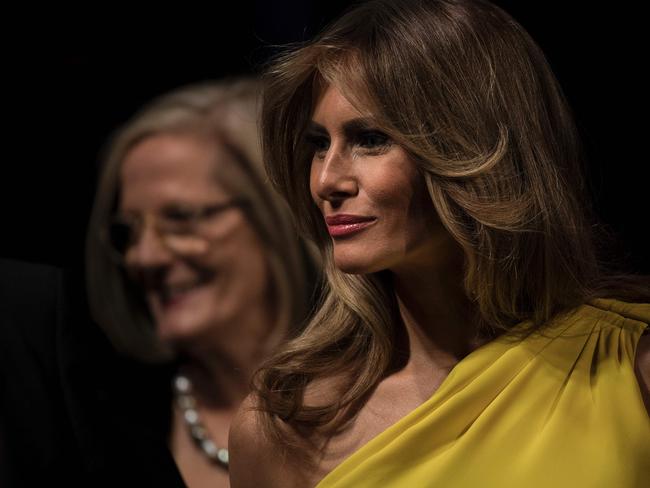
<point x="467" y="334"/>
<point x="193" y="260"/>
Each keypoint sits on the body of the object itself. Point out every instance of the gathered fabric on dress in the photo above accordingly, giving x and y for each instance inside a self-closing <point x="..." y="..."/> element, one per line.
<point x="561" y="407"/>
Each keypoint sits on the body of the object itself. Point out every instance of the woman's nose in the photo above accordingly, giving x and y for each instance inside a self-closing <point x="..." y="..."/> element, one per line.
<point x="148" y="251"/>
<point x="332" y="177"/>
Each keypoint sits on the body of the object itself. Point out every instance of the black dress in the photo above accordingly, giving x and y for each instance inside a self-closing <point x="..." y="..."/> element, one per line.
<point x="73" y="412"/>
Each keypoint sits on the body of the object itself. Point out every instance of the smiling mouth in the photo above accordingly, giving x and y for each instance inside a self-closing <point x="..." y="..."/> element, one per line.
<point x="174" y="294"/>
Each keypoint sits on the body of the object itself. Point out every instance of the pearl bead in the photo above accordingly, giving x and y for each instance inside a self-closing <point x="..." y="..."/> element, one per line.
<point x="191" y="416"/>
<point x="209" y="448"/>
<point x="198" y="432"/>
<point x="186" y="401"/>
<point x="182" y="384"/>
<point x="222" y="454"/>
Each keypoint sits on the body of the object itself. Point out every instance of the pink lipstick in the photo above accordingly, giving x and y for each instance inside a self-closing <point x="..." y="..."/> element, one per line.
<point x="344" y="225"/>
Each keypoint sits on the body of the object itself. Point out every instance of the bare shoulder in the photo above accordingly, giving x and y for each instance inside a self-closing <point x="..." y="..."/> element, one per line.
<point x="256" y="460"/>
<point x="642" y="367"/>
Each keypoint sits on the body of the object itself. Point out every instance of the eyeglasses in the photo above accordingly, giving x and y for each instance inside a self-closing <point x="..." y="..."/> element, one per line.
<point x="180" y="228"/>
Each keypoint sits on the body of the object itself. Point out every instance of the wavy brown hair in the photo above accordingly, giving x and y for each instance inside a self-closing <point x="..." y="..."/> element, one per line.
<point x="462" y="87"/>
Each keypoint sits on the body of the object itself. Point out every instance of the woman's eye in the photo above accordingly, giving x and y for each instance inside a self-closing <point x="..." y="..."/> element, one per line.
<point x="318" y="144"/>
<point x="372" y="140"/>
<point x="179" y="215"/>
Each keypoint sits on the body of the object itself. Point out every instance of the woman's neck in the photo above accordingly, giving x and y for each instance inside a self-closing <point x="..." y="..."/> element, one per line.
<point x="222" y="363"/>
<point x="437" y="316"/>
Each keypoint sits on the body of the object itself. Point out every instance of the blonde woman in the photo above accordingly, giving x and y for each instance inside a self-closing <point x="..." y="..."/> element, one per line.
<point x="467" y="335"/>
<point x="193" y="260"/>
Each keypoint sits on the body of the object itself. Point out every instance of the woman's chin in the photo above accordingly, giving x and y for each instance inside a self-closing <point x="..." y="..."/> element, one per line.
<point x="350" y="265"/>
<point x="175" y="329"/>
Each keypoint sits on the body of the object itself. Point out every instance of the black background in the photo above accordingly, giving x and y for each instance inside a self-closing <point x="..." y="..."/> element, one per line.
<point x="75" y="76"/>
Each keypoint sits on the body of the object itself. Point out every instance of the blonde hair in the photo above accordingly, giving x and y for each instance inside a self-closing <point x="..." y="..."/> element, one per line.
<point x="465" y="90"/>
<point x="226" y="112"/>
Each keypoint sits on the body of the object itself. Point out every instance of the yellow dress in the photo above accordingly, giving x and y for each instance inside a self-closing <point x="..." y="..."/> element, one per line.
<point x="560" y="408"/>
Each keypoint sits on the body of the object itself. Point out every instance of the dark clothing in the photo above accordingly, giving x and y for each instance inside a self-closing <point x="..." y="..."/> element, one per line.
<point x="72" y="411"/>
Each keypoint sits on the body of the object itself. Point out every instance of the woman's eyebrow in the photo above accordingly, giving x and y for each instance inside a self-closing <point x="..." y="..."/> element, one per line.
<point x="315" y="128"/>
<point x="357" y="125"/>
<point x="350" y="127"/>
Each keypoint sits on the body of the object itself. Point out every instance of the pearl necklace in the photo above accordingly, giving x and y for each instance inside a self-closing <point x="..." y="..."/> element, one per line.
<point x="186" y="401"/>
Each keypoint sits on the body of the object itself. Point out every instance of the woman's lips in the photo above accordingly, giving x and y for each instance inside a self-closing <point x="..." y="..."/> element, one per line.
<point x="173" y="295"/>
<point x="344" y="225"/>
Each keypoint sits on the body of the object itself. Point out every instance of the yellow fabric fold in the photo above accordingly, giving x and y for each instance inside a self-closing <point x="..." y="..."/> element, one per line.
<point x="561" y="408"/>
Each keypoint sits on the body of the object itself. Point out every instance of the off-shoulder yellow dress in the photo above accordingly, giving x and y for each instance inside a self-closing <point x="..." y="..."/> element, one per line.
<point x="560" y="408"/>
